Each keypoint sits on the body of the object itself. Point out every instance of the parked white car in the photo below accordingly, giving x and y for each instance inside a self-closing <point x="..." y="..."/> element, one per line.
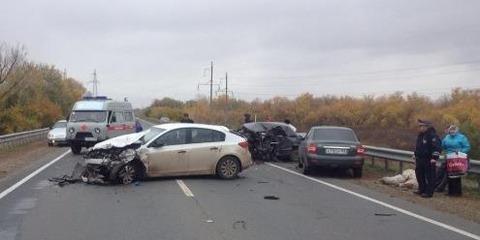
<point x="170" y="149"/>
<point x="58" y="133"/>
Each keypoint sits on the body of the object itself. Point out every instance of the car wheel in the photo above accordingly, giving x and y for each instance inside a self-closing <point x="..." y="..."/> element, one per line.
<point x="76" y="148"/>
<point x="357" y="172"/>
<point x="50" y="144"/>
<point x="228" y="167"/>
<point x="127" y="174"/>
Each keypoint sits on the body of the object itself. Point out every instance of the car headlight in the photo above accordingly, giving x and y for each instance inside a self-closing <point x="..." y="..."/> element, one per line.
<point x="97" y="130"/>
<point x="71" y="130"/>
<point x="127" y="155"/>
<point x="50" y="135"/>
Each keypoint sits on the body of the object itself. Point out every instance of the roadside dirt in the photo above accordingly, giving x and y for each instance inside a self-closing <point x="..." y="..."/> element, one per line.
<point x="466" y="206"/>
<point x="16" y="159"/>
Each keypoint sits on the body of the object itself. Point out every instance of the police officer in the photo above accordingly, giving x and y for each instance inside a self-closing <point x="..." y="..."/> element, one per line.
<point x="186" y="119"/>
<point x="247" y="118"/>
<point x="427" y="152"/>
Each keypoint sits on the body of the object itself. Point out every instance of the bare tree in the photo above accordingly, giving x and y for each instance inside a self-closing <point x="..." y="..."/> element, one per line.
<point x="10" y="59"/>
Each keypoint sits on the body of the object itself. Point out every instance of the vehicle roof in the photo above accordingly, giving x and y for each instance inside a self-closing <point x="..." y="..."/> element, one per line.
<point x="62" y="121"/>
<point x="101" y="104"/>
<point x="331" y="127"/>
<point x="171" y="126"/>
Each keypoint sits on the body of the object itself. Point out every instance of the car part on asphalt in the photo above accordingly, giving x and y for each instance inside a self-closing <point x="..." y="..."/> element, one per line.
<point x="271" y="197"/>
<point x="75" y="177"/>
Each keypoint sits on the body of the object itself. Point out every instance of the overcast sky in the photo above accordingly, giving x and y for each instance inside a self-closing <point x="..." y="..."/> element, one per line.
<point x="152" y="49"/>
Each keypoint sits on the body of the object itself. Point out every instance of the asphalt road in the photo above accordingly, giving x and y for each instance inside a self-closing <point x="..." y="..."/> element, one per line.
<point x="210" y="208"/>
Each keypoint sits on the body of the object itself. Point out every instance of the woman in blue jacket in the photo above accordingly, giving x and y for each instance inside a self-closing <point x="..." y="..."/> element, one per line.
<point x="455" y="142"/>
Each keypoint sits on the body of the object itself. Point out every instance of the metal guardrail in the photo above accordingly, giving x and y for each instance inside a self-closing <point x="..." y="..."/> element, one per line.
<point x="12" y="140"/>
<point x="403" y="157"/>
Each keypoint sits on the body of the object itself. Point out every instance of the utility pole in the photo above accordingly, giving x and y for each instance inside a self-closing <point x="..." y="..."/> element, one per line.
<point x="211" y="82"/>
<point x="226" y="90"/>
<point x="95" y="82"/>
<point x="64" y="74"/>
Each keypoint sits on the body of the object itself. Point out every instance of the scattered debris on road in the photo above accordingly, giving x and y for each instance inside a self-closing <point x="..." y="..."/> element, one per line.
<point x="242" y="223"/>
<point x="405" y="180"/>
<point x="75" y="177"/>
<point x="385" y="214"/>
<point x="209" y="221"/>
<point x="271" y="197"/>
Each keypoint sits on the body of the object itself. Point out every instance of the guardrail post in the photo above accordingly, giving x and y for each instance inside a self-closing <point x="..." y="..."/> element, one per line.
<point x="401" y="167"/>
<point x="478" y="182"/>
<point x="386" y="164"/>
<point x="373" y="161"/>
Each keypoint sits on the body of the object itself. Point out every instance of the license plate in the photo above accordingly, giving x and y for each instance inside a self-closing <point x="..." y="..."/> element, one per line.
<point x="338" y="151"/>
<point x="90" y="139"/>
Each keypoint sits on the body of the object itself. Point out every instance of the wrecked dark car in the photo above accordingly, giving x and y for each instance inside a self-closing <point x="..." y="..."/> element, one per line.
<point x="270" y="141"/>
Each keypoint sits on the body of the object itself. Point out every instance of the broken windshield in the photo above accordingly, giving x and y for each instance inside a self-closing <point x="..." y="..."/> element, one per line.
<point x="151" y="134"/>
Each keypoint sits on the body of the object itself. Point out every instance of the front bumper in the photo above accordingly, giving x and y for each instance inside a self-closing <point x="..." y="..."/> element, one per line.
<point x="57" y="141"/>
<point x="335" y="161"/>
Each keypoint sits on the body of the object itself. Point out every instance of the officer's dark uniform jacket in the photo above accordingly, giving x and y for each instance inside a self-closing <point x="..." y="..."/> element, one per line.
<point x="428" y="146"/>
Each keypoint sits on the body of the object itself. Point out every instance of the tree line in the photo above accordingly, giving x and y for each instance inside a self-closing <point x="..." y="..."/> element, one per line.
<point x="389" y="120"/>
<point x="32" y="95"/>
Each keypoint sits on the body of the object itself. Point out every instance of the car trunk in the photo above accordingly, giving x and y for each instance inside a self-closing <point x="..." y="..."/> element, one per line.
<point x="335" y="148"/>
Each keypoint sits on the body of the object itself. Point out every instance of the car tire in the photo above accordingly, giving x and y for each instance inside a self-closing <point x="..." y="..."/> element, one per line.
<point x="50" y="144"/>
<point x="76" y="148"/>
<point x="127" y="174"/>
<point x="357" y="172"/>
<point x="228" y="167"/>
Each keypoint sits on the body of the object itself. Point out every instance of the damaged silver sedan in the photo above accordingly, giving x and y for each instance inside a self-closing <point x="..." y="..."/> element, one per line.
<point x="168" y="150"/>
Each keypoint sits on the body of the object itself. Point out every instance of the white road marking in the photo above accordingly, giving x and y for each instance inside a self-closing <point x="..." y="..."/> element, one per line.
<point x="31" y="175"/>
<point x="406" y="212"/>
<point x="185" y="189"/>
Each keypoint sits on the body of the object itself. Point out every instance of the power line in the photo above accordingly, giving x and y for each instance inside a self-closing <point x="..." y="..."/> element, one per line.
<point x="363" y="80"/>
<point x="376" y="72"/>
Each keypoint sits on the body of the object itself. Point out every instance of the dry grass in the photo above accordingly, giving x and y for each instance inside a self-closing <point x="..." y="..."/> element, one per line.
<point x="466" y="206"/>
<point x="19" y="157"/>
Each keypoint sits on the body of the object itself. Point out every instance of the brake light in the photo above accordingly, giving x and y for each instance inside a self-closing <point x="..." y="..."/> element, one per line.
<point x="360" y="150"/>
<point x="243" y="145"/>
<point x="312" y="148"/>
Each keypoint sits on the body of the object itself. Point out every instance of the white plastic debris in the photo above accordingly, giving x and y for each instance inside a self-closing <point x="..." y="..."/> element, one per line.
<point x="405" y="180"/>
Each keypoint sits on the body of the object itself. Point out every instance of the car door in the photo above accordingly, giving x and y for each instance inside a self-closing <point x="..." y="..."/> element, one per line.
<point x="115" y="127"/>
<point x="205" y="150"/>
<point x="167" y="155"/>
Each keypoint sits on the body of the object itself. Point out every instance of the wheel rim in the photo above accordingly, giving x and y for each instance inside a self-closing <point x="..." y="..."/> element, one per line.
<point x="127" y="174"/>
<point x="229" y="167"/>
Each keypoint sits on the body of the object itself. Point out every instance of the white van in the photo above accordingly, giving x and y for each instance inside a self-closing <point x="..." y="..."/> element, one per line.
<point x="94" y="119"/>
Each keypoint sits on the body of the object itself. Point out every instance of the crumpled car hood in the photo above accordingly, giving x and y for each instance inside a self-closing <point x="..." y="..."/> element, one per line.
<point x="120" y="141"/>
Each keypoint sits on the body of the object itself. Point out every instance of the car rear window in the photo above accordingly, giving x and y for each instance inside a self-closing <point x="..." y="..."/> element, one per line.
<point x="334" y="135"/>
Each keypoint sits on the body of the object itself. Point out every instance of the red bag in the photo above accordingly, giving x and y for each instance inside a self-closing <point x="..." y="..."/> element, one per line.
<point x="457" y="164"/>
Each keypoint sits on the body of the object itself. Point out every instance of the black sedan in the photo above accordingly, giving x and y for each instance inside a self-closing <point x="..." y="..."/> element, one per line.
<point x="334" y="147"/>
